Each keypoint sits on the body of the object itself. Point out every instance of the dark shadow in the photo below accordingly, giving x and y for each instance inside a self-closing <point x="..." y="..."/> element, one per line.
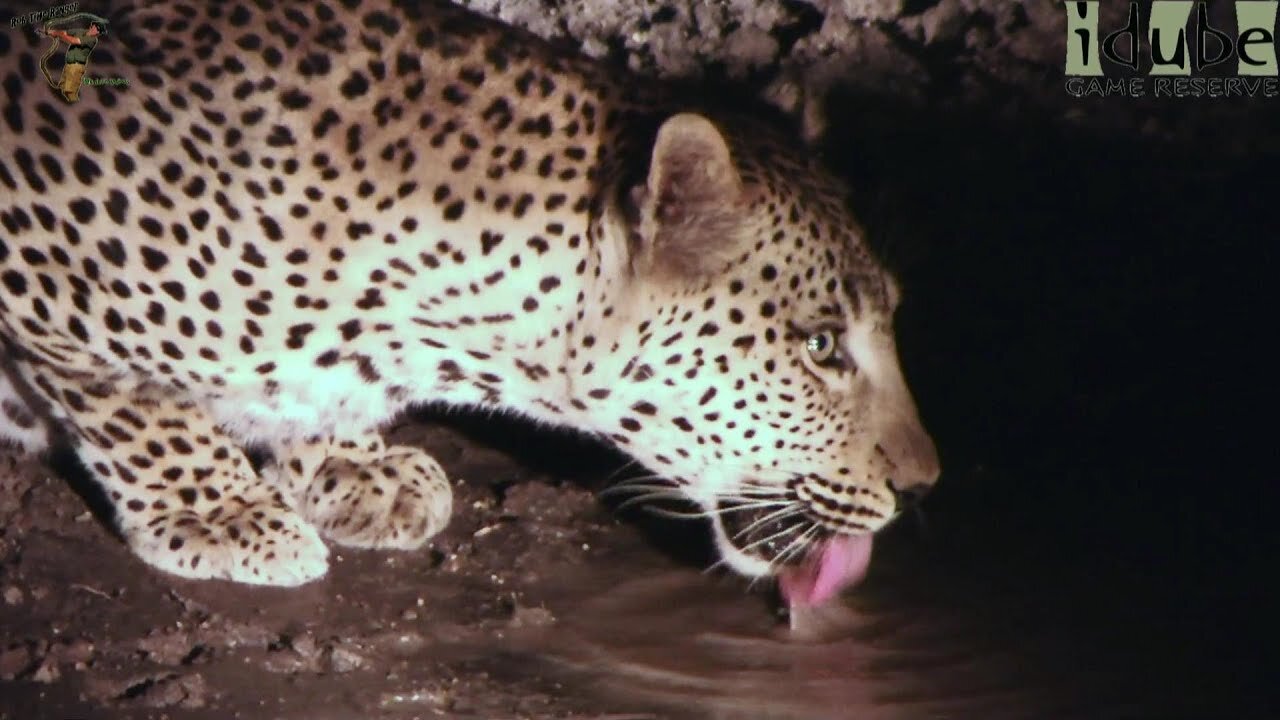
<point x="589" y="463"/>
<point x="64" y="462"/>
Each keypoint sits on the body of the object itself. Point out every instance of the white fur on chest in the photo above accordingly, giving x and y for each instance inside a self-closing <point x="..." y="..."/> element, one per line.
<point x="304" y="406"/>
<point x="304" y="400"/>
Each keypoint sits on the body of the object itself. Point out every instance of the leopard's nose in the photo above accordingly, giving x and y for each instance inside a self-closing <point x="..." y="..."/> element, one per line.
<point x="907" y="498"/>
<point x="915" y="462"/>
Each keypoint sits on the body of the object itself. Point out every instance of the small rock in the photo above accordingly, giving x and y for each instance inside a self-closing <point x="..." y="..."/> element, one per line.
<point x="410" y="700"/>
<point x="47" y="672"/>
<point x="400" y="644"/>
<point x="72" y="651"/>
<point x="14" y="661"/>
<point x="219" y="631"/>
<point x="185" y="691"/>
<point x="286" y="663"/>
<point x="305" y="646"/>
<point x="942" y="22"/>
<point x="299" y="654"/>
<point x="343" y="659"/>
<point x="166" y="648"/>
<point x="528" y="617"/>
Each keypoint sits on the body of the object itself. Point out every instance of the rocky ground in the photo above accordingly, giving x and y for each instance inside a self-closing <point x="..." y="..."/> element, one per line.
<point x="87" y="631"/>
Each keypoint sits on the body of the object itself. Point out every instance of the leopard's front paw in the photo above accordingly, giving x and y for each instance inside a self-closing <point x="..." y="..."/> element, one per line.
<point x="369" y="496"/>
<point x="260" y="542"/>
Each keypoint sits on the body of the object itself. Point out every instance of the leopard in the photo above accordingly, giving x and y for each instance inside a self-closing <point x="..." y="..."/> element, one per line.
<point x="292" y="223"/>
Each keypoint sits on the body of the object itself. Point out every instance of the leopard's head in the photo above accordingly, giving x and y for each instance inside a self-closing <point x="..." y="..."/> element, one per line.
<point x="744" y="350"/>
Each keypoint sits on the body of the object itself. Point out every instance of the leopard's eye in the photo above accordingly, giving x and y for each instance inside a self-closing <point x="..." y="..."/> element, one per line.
<point x="823" y="347"/>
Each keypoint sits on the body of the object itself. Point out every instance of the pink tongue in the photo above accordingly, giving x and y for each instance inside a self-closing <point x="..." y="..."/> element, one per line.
<point x="832" y="566"/>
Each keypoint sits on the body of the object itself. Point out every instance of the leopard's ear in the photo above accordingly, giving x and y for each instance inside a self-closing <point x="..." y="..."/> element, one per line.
<point x="690" y="207"/>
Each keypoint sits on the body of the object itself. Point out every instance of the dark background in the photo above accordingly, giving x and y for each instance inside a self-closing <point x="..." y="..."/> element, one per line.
<point x="1089" y="332"/>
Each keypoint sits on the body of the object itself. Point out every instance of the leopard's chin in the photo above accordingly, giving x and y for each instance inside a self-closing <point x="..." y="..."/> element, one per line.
<point x="809" y="572"/>
<point x="766" y="534"/>
<point x="742" y="562"/>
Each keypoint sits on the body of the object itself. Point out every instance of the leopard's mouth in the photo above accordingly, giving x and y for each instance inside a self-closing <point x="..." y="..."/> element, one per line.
<point x="812" y="564"/>
<point x="765" y="533"/>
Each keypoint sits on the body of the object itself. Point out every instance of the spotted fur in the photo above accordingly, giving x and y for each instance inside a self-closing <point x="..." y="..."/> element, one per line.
<point x="300" y="219"/>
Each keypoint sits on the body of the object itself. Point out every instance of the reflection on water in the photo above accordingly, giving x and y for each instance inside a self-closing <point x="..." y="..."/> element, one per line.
<point x="920" y="639"/>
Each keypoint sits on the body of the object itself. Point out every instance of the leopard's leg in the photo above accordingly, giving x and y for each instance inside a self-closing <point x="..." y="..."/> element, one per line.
<point x="20" y="425"/>
<point x="362" y="493"/>
<point x="186" y="498"/>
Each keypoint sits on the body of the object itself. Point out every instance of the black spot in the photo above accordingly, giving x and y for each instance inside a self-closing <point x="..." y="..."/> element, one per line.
<point x="350" y="329"/>
<point x="15" y="282"/>
<point x="540" y="126"/>
<point x="252" y="256"/>
<point x="77" y="329"/>
<point x="488" y="241"/>
<point x="366" y="370"/>
<point x="153" y="259"/>
<point x="86" y="171"/>
<point x="155" y="313"/>
<point x="33" y="256"/>
<point x="355" y="85"/>
<point x="294" y="99"/>
<point x="124" y="164"/>
<point x="113" y="251"/>
<point x="117" y="206"/>
<point x="406" y="63"/>
<point x="175" y="290"/>
<point x="271" y="228"/>
<point x="328" y="358"/>
<point x="378" y="20"/>
<point x="151" y="226"/>
<point x="280" y="136"/>
<point x="454" y="95"/>
<point x="372" y="298"/>
<point x="210" y="300"/>
<point x="314" y="64"/>
<point x="115" y="323"/>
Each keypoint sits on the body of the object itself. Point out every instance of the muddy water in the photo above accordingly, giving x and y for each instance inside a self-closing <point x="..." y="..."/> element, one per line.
<point x="950" y="624"/>
<point x="680" y="649"/>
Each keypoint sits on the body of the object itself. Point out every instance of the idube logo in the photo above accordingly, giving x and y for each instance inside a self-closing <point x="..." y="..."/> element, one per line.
<point x="1174" y="63"/>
